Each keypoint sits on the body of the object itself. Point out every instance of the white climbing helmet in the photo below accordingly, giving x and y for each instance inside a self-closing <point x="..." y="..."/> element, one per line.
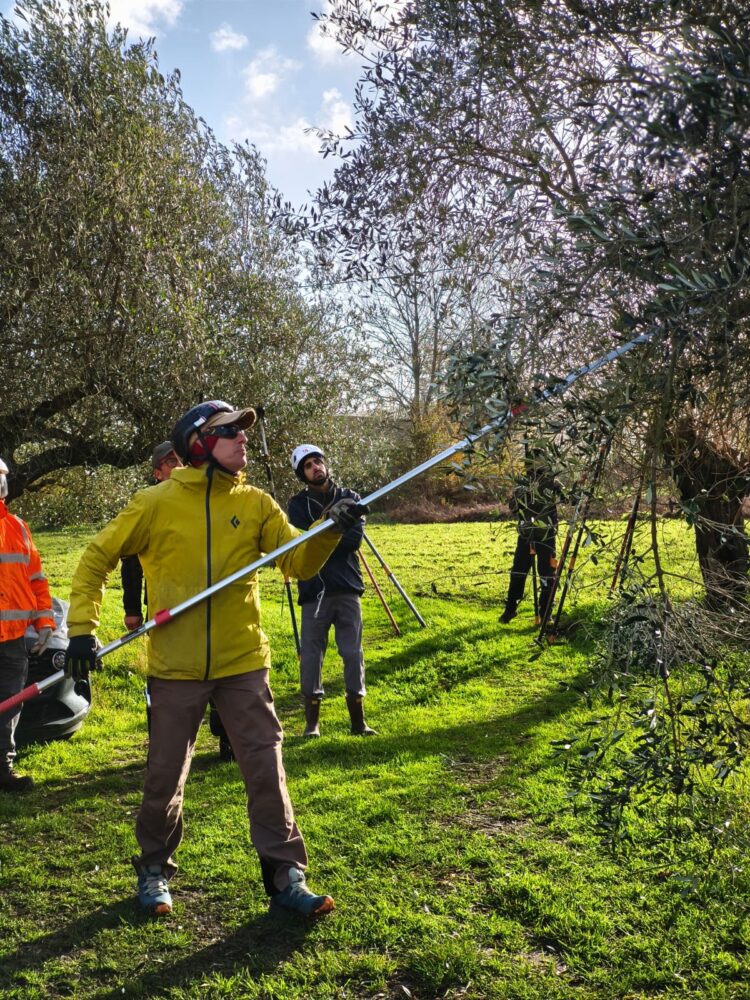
<point x="300" y="453"/>
<point x="4" y="470"/>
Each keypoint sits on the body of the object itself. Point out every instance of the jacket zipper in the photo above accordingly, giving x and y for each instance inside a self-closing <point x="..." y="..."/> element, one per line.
<point x="208" y="573"/>
<point x="322" y="506"/>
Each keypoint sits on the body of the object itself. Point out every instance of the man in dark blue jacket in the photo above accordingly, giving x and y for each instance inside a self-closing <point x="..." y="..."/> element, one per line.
<point x="331" y="598"/>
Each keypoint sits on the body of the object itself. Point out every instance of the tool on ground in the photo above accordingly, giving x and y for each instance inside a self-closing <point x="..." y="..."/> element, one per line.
<point x="394" y="581"/>
<point x="168" y="614"/>
<point x="379" y="592"/>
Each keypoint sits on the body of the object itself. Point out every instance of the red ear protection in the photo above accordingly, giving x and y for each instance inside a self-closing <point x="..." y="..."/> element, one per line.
<point x="201" y="448"/>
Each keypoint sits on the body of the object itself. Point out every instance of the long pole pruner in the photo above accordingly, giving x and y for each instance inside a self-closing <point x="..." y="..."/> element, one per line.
<point x="534" y="582"/>
<point x="169" y="614"/>
<point x="265" y="452"/>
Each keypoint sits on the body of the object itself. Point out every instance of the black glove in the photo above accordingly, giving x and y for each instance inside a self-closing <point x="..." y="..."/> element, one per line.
<point x="346" y="513"/>
<point x="80" y="657"/>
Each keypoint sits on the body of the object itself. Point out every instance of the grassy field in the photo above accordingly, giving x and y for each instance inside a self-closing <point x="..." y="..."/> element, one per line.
<point x="457" y="868"/>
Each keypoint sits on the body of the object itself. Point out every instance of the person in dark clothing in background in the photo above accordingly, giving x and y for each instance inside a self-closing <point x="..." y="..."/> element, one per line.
<point x="534" y="501"/>
<point x="163" y="461"/>
<point x="331" y="597"/>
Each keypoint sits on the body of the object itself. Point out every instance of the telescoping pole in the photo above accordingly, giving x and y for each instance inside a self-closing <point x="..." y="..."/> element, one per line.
<point x="394" y="581"/>
<point x="535" y="583"/>
<point x="269" y="473"/>
<point x="167" y="615"/>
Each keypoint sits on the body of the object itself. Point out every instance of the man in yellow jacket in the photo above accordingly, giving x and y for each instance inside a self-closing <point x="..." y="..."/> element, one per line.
<point x="24" y="600"/>
<point x="190" y="532"/>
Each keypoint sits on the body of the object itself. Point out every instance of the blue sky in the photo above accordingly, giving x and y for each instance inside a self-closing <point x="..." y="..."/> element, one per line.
<point x="253" y="69"/>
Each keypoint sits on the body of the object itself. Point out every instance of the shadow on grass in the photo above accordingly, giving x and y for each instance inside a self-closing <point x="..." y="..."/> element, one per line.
<point x="433" y="665"/>
<point x="487" y="737"/>
<point x="427" y="665"/>
<point x="255" y="948"/>
<point x="120" y="780"/>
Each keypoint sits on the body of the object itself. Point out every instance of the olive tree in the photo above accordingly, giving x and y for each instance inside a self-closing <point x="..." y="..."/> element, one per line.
<point x="602" y="148"/>
<point x="140" y="271"/>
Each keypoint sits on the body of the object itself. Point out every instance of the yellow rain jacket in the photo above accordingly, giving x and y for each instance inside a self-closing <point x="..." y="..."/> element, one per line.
<point x="191" y="532"/>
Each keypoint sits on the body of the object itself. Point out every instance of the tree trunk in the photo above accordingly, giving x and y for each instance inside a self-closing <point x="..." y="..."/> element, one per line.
<point x="712" y="484"/>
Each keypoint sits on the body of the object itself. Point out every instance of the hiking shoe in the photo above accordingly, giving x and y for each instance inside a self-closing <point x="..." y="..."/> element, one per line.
<point x="507" y="616"/>
<point x="298" y="898"/>
<point x="226" y="753"/>
<point x="153" y="890"/>
<point x="12" y="782"/>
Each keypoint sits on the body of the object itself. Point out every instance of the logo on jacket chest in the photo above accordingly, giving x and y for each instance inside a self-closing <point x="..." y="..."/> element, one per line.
<point x="235" y="522"/>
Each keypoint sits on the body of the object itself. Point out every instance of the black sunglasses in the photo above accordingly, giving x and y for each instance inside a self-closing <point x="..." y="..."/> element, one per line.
<point x="224" y="430"/>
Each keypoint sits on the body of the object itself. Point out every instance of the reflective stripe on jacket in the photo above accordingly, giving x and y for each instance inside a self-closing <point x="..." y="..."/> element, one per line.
<point x="191" y="532"/>
<point x="24" y="594"/>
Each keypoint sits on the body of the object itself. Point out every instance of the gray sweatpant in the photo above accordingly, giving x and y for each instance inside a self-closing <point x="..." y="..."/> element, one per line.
<point x="14" y="667"/>
<point x="344" y="612"/>
<point x="245" y="704"/>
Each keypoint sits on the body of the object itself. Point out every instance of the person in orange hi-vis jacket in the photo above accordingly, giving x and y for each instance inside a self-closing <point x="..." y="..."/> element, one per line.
<point x="24" y="600"/>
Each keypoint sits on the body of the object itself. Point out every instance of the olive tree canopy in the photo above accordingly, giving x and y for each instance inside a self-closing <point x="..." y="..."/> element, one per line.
<point x="139" y="270"/>
<point x="603" y="148"/>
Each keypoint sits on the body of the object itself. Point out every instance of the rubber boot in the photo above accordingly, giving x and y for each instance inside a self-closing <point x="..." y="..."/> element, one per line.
<point x="12" y="782"/>
<point x="312" y="716"/>
<point x="226" y="753"/>
<point x="357" y="714"/>
<point x="509" y="613"/>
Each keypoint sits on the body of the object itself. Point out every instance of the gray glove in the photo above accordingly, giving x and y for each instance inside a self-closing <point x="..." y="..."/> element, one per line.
<point x="346" y="513"/>
<point x="45" y="634"/>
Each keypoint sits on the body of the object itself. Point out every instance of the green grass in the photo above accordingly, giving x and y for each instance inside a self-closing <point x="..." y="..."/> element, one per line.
<point x="457" y="869"/>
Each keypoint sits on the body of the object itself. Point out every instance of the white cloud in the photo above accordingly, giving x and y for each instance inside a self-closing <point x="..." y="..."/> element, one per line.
<point x="324" y="48"/>
<point x="265" y="73"/>
<point x="273" y="135"/>
<point x="144" y="18"/>
<point x="225" y="38"/>
<point x="335" y="113"/>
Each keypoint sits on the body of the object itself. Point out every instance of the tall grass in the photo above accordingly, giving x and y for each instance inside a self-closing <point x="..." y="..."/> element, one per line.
<point x="458" y="868"/>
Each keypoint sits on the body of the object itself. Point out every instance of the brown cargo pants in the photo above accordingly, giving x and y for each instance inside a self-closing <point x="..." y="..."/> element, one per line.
<point x="245" y="704"/>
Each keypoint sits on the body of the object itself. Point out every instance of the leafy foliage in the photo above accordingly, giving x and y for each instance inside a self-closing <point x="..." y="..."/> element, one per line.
<point x="602" y="149"/>
<point x="141" y="272"/>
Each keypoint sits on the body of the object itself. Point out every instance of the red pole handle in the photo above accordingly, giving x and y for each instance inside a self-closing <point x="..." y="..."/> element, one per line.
<point x="18" y="699"/>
